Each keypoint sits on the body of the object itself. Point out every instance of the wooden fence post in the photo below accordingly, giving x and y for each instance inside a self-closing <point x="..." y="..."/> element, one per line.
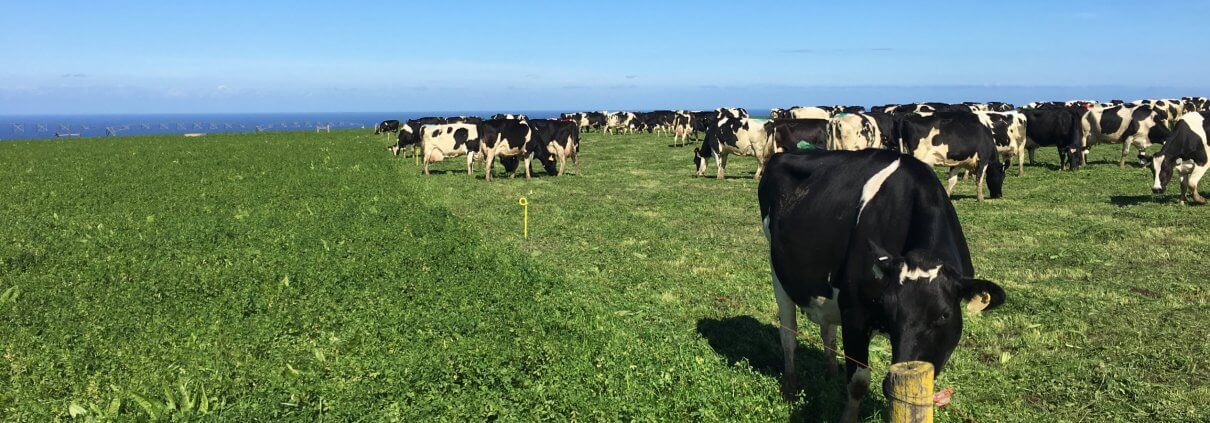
<point x="912" y="392"/>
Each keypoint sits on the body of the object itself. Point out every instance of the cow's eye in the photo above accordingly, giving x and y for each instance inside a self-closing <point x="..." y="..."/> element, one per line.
<point x="944" y="317"/>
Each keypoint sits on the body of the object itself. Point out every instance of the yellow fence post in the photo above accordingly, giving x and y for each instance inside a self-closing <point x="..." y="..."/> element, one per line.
<point x="525" y="217"/>
<point x="912" y="392"/>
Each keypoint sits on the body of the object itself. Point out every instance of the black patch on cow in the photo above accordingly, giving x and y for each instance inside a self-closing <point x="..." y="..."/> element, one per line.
<point x="1110" y="121"/>
<point x="461" y="135"/>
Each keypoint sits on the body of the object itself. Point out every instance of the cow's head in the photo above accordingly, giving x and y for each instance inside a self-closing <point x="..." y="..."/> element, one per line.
<point x="1161" y="172"/>
<point x="921" y="304"/>
<point x="699" y="161"/>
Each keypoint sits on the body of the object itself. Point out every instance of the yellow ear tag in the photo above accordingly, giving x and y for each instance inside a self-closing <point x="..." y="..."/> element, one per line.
<point x="979" y="303"/>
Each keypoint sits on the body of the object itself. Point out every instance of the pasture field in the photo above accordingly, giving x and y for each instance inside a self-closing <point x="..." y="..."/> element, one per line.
<point x="305" y="277"/>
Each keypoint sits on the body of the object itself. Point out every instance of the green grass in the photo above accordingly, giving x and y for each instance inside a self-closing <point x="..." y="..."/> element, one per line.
<point x="298" y="276"/>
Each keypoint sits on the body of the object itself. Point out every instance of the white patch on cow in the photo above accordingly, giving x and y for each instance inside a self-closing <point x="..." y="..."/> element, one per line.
<point x="824" y="311"/>
<point x="874" y="184"/>
<point x="906" y="273"/>
<point x="1157" y="163"/>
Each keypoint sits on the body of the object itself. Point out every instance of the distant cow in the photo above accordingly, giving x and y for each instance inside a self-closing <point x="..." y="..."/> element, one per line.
<point x="386" y="127"/>
<point x="854" y="131"/>
<point x="867" y="240"/>
<point x="442" y="141"/>
<point x="1188" y="145"/>
<point x="788" y="134"/>
<point x="800" y="112"/>
<point x="1058" y="126"/>
<point x="464" y="119"/>
<point x="507" y="116"/>
<point x="958" y="141"/>
<point x="1195" y="104"/>
<point x="1173" y="109"/>
<point x="1008" y="131"/>
<point x="561" y="139"/>
<point x="727" y="136"/>
<point x="1131" y="125"/>
<point x="408" y="134"/>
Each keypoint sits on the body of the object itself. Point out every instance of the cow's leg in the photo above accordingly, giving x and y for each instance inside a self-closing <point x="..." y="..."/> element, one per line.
<point x="470" y="165"/>
<point x="562" y="152"/>
<point x="1125" y="151"/>
<point x="1020" y="161"/>
<point x="487" y="165"/>
<point x="528" y="159"/>
<point x="949" y="187"/>
<point x="1194" y="178"/>
<point x="857" y="348"/>
<point x="787" y="318"/>
<point x="980" y="176"/>
<point x="1031" y="154"/>
<point x="720" y="161"/>
<point x="828" y="334"/>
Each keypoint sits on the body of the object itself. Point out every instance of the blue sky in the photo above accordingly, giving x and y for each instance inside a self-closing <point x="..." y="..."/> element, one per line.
<point x="278" y="56"/>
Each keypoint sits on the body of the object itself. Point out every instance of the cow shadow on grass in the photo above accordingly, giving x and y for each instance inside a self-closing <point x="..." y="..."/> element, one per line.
<point x="743" y="339"/>
<point x="1134" y="200"/>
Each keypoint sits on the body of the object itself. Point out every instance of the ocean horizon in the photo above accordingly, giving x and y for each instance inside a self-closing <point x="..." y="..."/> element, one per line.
<point x="51" y="126"/>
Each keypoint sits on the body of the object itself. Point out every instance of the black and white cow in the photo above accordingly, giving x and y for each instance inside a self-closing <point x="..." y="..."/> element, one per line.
<point x="1008" y="131"/>
<point x="958" y="141"/>
<point x="441" y="141"/>
<point x="727" y="136"/>
<point x="386" y="127"/>
<point x="1173" y="109"/>
<point x="1186" y="152"/>
<point x="507" y="138"/>
<point x="808" y="112"/>
<point x="888" y="125"/>
<point x="408" y="134"/>
<point x="1139" y="126"/>
<point x="621" y="122"/>
<point x="730" y="112"/>
<point x="902" y="109"/>
<point x="464" y="119"/>
<point x="997" y="106"/>
<point x="1058" y="126"/>
<point x="854" y="131"/>
<point x="1195" y="104"/>
<point x="788" y="134"/>
<point x="868" y="241"/>
<point x="509" y="116"/>
<point x="560" y="139"/>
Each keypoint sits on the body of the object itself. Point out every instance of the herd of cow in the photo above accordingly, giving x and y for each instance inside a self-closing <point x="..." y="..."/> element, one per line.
<point x="891" y="257"/>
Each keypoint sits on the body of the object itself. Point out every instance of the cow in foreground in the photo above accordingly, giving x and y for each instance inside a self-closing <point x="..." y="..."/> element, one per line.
<point x="889" y="257"/>
<point x="956" y="140"/>
<point x="1188" y="145"/>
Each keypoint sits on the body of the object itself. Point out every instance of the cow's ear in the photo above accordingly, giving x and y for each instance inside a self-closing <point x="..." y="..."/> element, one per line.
<point x="981" y="295"/>
<point x="882" y="260"/>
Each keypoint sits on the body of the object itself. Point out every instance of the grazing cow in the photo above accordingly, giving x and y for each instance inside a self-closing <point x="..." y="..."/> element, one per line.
<point x="409" y="135"/>
<point x="386" y="127"/>
<point x="507" y="138"/>
<point x="621" y="122"/>
<point x="854" y="131"/>
<point x="1057" y="126"/>
<point x="958" y="141"/>
<point x="1190" y="147"/>
<point x="739" y="136"/>
<point x="788" y="134"/>
<point x="867" y="240"/>
<point x="659" y="121"/>
<point x="1131" y="125"/>
<point x="561" y="139"/>
<point x="441" y="141"/>
<point x="800" y="112"/>
<point x="1008" y="131"/>
<point x="1195" y="104"/>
